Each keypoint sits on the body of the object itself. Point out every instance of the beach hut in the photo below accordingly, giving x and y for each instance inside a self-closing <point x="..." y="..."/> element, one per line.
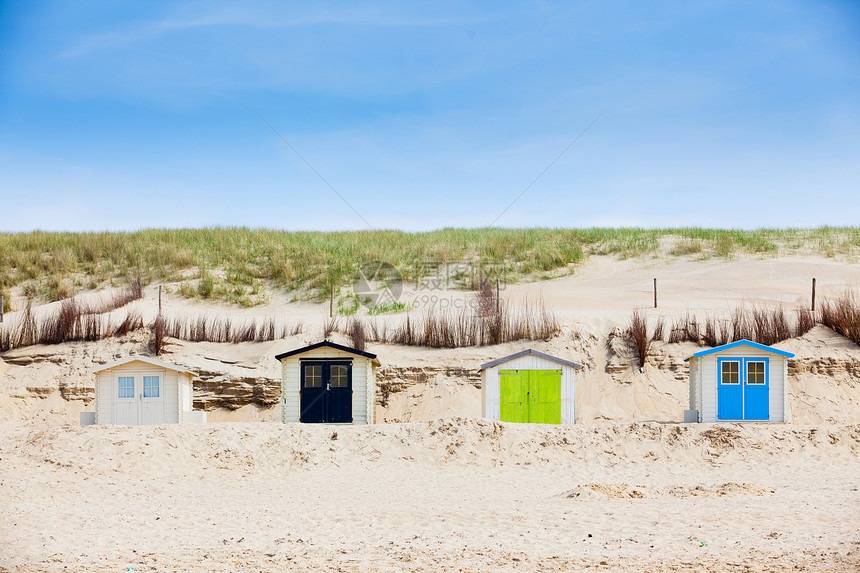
<point x="739" y="382"/>
<point x="138" y="390"/>
<point x="328" y="383"/>
<point x="529" y="386"/>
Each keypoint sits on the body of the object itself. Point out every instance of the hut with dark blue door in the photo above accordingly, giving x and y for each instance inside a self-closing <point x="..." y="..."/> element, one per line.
<point x="328" y="383"/>
<point x="739" y="382"/>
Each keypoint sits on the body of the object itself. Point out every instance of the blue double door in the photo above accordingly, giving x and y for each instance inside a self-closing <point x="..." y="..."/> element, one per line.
<point x="743" y="387"/>
<point x="326" y="392"/>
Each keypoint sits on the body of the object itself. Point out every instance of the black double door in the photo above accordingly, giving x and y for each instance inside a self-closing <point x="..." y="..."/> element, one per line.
<point x="326" y="392"/>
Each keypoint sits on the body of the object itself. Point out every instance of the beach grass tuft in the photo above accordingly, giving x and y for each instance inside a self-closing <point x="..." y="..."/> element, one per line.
<point x="764" y="325"/>
<point x="489" y="322"/>
<point x="638" y="333"/>
<point x="842" y="315"/>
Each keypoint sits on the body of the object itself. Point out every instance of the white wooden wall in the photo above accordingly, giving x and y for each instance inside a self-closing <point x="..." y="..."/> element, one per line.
<point x="186" y="395"/>
<point x="363" y="384"/>
<point x="106" y="390"/>
<point x="104" y="397"/>
<point x="171" y="396"/>
<point x="370" y="397"/>
<point x="694" y="384"/>
<point x="706" y="381"/>
<point x="490" y="391"/>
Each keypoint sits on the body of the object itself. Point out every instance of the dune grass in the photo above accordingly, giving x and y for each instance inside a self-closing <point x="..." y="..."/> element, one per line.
<point x="842" y="315"/>
<point x="70" y="322"/>
<point x="765" y="325"/>
<point x="73" y="321"/>
<point x="231" y="264"/>
<point x="489" y="321"/>
<point x="638" y="334"/>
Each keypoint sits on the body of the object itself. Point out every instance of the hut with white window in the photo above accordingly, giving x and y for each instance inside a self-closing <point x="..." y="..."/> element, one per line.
<point x="739" y="382"/>
<point x="138" y="390"/>
<point x="328" y="383"/>
<point x="529" y="386"/>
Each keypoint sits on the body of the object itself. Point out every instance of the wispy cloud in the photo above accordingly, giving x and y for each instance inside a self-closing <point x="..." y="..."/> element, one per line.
<point x="255" y="17"/>
<point x="105" y="41"/>
<point x="248" y="17"/>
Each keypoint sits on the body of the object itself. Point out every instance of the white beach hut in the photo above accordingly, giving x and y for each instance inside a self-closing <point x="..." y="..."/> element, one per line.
<point x="138" y="390"/>
<point x="529" y="386"/>
<point x="328" y="383"/>
<point x="739" y="382"/>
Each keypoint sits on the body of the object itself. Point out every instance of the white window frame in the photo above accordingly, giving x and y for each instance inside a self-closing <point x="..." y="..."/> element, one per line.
<point x="157" y="386"/>
<point x="120" y="387"/>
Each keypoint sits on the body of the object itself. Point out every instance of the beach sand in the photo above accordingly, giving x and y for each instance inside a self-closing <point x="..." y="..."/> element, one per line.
<point x="437" y="488"/>
<point x="454" y="494"/>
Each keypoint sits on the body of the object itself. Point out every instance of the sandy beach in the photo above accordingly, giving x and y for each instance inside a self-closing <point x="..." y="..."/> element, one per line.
<point x="418" y="287"/>
<point x="433" y="486"/>
<point x="454" y="494"/>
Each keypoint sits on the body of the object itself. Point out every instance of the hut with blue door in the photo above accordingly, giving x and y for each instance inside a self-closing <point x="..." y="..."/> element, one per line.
<point x="739" y="382"/>
<point x="328" y="383"/>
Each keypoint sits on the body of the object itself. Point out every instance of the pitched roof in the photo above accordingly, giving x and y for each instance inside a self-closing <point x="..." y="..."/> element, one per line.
<point x="744" y="342"/>
<point x="328" y="344"/>
<point x="146" y="359"/>
<point x="530" y="352"/>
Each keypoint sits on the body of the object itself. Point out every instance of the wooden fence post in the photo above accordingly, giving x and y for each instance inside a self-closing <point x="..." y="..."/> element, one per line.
<point x="497" y="295"/>
<point x="813" y="295"/>
<point x="159" y="300"/>
<point x="331" y="301"/>
<point x="655" y="292"/>
<point x="1" y="308"/>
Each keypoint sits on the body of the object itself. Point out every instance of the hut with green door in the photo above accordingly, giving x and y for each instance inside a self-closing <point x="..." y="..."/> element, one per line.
<point x="529" y="387"/>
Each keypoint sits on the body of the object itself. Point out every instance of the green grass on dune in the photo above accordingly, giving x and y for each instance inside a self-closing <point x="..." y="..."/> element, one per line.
<point x="231" y="264"/>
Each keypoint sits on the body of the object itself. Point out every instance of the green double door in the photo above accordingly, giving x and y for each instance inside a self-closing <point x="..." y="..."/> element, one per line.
<point x="532" y="396"/>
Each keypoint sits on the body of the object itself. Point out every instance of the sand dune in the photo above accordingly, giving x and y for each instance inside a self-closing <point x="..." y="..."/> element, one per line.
<point x="435" y="487"/>
<point x="53" y="383"/>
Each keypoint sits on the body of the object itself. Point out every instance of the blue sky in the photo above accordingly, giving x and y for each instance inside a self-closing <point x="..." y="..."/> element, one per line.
<point x="123" y="116"/>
